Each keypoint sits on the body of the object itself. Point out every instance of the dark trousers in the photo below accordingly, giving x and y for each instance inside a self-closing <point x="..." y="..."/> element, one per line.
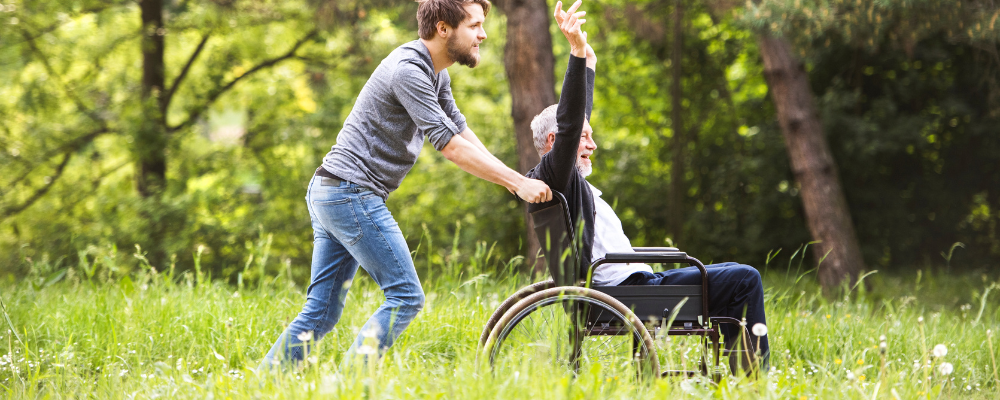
<point x="734" y="290"/>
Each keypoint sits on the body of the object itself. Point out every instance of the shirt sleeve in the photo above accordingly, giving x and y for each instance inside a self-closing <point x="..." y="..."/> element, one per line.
<point x="447" y="102"/>
<point x="559" y="164"/>
<point x="417" y="94"/>
<point x="591" y="74"/>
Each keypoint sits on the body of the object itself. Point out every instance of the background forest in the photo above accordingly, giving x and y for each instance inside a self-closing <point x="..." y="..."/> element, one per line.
<point x="207" y="166"/>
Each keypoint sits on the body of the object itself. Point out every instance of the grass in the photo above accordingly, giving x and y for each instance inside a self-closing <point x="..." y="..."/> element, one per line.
<point x="146" y="335"/>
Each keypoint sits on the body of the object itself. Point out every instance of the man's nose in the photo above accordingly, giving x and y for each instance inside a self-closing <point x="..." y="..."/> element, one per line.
<point x="482" y="34"/>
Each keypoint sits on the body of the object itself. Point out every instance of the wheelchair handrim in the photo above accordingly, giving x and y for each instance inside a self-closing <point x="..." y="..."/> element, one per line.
<point x="508" y="328"/>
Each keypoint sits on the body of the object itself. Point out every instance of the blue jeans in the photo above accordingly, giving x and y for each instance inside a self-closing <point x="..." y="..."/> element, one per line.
<point x="351" y="225"/>
<point x="733" y="289"/>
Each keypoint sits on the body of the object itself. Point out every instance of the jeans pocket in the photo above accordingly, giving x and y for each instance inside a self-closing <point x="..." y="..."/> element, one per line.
<point x="339" y="218"/>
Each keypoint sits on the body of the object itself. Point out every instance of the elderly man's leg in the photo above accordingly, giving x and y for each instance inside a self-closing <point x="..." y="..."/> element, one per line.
<point x="735" y="290"/>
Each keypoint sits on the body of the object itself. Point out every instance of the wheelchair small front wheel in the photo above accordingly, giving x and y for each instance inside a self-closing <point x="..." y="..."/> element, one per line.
<point x="576" y="328"/>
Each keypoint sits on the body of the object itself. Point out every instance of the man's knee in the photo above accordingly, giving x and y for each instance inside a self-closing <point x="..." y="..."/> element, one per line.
<point x="321" y="314"/>
<point x="747" y="272"/>
<point x="416" y="300"/>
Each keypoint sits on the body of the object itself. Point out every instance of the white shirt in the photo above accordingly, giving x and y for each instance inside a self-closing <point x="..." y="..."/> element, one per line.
<point x="610" y="238"/>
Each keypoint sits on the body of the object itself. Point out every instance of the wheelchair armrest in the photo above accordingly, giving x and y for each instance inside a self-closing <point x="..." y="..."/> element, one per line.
<point x="656" y="257"/>
<point x="645" y="257"/>
<point x="653" y="249"/>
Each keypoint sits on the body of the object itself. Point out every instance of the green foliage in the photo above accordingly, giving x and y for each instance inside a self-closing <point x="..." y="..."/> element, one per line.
<point x="909" y="110"/>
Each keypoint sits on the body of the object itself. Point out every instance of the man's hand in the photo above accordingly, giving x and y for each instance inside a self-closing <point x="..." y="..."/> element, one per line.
<point x="569" y="22"/>
<point x="534" y="191"/>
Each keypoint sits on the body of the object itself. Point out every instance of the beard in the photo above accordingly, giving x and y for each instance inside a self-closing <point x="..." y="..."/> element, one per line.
<point x="585" y="169"/>
<point x="461" y="54"/>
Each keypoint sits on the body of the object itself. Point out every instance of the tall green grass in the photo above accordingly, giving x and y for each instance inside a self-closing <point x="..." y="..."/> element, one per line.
<point x="149" y="333"/>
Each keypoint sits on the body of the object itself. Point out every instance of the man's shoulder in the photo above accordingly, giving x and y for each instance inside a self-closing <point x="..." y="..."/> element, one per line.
<point x="410" y="57"/>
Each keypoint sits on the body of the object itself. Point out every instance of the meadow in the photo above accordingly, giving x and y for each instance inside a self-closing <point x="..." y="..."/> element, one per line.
<point x="92" y="332"/>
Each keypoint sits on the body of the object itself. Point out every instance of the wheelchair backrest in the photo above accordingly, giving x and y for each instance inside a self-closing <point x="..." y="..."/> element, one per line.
<point x="558" y="241"/>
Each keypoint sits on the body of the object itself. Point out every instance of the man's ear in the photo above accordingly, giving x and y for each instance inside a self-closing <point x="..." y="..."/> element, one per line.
<point x="550" y="139"/>
<point x="443" y="29"/>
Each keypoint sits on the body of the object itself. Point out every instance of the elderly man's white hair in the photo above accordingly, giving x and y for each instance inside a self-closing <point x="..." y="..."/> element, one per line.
<point x="541" y="125"/>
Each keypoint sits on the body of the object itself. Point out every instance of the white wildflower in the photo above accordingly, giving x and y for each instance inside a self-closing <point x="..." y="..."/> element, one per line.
<point x="305" y="336"/>
<point x="759" y="329"/>
<point x="850" y="376"/>
<point x="940" y="350"/>
<point x="371" y="332"/>
<point x="945" y="368"/>
<point x="367" y="350"/>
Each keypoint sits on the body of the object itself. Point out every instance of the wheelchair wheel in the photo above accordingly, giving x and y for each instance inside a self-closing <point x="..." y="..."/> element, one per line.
<point x="513" y="299"/>
<point x="556" y="326"/>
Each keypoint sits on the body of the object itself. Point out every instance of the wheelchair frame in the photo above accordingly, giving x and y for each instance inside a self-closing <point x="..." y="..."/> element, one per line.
<point x="655" y="306"/>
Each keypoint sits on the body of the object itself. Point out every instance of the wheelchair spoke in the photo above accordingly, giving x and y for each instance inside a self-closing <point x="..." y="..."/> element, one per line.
<point x="543" y="333"/>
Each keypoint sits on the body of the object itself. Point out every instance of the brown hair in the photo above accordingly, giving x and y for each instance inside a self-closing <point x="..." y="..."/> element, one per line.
<point x="452" y="12"/>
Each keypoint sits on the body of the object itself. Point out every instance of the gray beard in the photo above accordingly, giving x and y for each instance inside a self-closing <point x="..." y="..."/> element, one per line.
<point x="456" y="53"/>
<point x="584" y="170"/>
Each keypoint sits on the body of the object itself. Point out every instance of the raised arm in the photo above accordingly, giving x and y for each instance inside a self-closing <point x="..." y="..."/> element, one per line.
<point x="559" y="164"/>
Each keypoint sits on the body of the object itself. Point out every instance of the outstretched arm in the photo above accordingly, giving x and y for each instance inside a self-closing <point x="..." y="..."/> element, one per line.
<point x="482" y="164"/>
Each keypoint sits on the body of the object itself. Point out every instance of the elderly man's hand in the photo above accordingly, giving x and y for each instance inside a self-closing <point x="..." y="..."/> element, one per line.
<point x="569" y="22"/>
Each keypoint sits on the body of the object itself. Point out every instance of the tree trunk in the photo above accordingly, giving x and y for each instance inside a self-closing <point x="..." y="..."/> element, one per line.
<point x="812" y="165"/>
<point x="150" y="142"/>
<point x="676" y="197"/>
<point x="529" y="63"/>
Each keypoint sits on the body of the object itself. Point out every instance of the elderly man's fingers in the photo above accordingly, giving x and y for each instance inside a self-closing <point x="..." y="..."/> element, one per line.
<point x="572" y="8"/>
<point x="569" y="22"/>
<point x="558" y="12"/>
<point x="580" y="14"/>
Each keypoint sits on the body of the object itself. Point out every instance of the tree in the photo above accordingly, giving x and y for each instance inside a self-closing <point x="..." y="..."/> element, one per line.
<point x="862" y="24"/>
<point x="529" y="63"/>
<point x="63" y="66"/>
<point x="826" y="210"/>
<point x="679" y="144"/>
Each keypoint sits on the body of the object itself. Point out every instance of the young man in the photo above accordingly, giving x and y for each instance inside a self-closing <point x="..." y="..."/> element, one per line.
<point x="407" y="99"/>
<point x="563" y="138"/>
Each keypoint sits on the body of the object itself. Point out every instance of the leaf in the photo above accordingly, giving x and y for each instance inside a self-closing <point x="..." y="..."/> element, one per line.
<point x="55" y="277"/>
<point x="126" y="285"/>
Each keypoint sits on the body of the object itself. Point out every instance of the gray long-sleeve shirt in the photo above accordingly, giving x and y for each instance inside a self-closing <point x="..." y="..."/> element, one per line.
<point x="402" y="102"/>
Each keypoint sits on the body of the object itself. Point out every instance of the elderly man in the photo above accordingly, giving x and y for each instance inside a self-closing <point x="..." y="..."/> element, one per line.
<point x="564" y="139"/>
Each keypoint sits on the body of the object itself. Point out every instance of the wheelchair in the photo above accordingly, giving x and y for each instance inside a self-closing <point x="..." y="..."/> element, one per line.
<point x="566" y="321"/>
